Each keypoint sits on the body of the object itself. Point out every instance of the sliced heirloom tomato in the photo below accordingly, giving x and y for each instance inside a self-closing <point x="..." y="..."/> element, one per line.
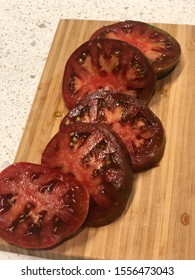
<point x="162" y="50"/>
<point x="138" y="127"/>
<point x="39" y="206"/>
<point x="108" y="64"/>
<point x="99" y="160"/>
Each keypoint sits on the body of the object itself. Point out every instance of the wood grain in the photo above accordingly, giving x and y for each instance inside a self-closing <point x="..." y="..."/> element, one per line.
<point x="159" y="222"/>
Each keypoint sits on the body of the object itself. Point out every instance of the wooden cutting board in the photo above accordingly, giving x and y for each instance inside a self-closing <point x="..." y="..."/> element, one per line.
<point x="159" y="221"/>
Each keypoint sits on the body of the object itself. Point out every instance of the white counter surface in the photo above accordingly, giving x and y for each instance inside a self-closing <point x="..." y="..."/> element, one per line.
<point x="27" y="29"/>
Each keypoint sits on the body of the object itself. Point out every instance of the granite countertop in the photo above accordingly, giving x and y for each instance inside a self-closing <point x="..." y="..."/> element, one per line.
<point x="27" y="30"/>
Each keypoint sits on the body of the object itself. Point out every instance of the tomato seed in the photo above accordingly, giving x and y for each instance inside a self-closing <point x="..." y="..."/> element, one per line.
<point x="67" y="122"/>
<point x="154" y="35"/>
<point x="49" y="186"/>
<point x="35" y="176"/>
<point x="78" y="119"/>
<point x="56" y="222"/>
<point x="8" y="179"/>
<point x="86" y="160"/>
<point x="71" y="145"/>
<point x="36" y="226"/>
<point x="98" y="171"/>
<point x="6" y="201"/>
<point x="22" y="217"/>
<point x="124" y="117"/>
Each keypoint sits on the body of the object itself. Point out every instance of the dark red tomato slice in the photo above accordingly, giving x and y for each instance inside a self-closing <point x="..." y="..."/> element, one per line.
<point x="162" y="50"/>
<point x="39" y="206"/>
<point x="140" y="130"/>
<point x="108" y="64"/>
<point x="99" y="160"/>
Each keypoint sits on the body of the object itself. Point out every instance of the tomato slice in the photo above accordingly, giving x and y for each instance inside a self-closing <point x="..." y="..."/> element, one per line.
<point x="162" y="50"/>
<point x="141" y="131"/>
<point x="108" y="64"/>
<point x="39" y="206"/>
<point x="99" y="160"/>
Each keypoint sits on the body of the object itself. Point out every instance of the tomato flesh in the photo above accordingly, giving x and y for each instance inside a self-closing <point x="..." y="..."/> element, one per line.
<point x="162" y="50"/>
<point x="39" y="206"/>
<point x="140" y="130"/>
<point x="107" y="64"/>
<point x="93" y="155"/>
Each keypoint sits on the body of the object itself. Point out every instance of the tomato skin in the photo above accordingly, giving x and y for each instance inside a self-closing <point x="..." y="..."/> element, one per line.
<point x="141" y="131"/>
<point x="108" y="64"/>
<point x="36" y="205"/>
<point x="99" y="160"/>
<point x="162" y="49"/>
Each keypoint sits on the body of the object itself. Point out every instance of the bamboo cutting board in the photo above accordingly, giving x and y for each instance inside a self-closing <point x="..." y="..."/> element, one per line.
<point x="159" y="221"/>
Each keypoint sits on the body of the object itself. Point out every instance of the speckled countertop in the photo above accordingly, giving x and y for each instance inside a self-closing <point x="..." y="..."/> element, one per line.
<point x="27" y="30"/>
